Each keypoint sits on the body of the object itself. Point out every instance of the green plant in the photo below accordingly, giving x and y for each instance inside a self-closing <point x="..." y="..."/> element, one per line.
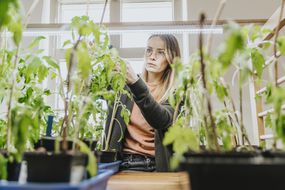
<point x="91" y="78"/>
<point x="26" y="106"/>
<point x="202" y="78"/>
<point x="22" y="73"/>
<point x="275" y="95"/>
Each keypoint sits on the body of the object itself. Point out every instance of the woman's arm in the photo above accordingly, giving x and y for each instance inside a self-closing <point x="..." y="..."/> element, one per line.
<point x="159" y="116"/>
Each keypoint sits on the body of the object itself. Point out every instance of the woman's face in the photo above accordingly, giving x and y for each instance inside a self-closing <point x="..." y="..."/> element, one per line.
<point x="155" y="56"/>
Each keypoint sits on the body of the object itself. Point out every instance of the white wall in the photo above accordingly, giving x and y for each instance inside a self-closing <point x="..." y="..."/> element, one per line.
<point x="234" y="9"/>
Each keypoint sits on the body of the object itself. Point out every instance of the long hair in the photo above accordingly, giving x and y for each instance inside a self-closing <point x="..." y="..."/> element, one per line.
<point x="172" y="50"/>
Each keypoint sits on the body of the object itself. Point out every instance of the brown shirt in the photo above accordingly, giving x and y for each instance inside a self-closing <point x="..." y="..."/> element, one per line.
<point x="140" y="135"/>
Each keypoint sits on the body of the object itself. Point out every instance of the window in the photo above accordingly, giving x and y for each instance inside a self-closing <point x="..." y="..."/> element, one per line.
<point x="142" y="12"/>
<point x="68" y="11"/>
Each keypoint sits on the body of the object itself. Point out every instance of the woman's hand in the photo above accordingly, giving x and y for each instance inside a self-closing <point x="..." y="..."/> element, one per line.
<point x="132" y="77"/>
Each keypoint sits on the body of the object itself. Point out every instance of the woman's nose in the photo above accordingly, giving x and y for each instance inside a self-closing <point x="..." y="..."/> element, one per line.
<point x="153" y="56"/>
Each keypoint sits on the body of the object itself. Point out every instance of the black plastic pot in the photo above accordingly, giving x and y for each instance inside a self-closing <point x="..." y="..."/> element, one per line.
<point x="107" y="156"/>
<point x="53" y="167"/>
<point x="13" y="168"/>
<point x="234" y="171"/>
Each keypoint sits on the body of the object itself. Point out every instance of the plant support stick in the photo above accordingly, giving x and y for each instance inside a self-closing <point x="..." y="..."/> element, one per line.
<point x="276" y="67"/>
<point x="212" y="134"/>
<point x="217" y="16"/>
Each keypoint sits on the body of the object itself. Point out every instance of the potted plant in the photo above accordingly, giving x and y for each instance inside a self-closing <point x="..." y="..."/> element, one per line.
<point x="91" y="78"/>
<point x="78" y="106"/>
<point x="222" y="162"/>
<point x="22" y="73"/>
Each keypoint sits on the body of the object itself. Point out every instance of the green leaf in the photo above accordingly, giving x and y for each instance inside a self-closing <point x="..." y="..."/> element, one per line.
<point x="47" y="92"/>
<point x="244" y="74"/>
<point x="4" y="16"/>
<point x="258" y="61"/>
<point x="67" y="42"/>
<point x="182" y="138"/>
<point x="36" y="41"/>
<point x="220" y="90"/>
<point x="42" y="72"/>
<point x="125" y="114"/>
<point x="33" y="66"/>
<point x="234" y="42"/>
<point x="91" y="167"/>
<point x="269" y="122"/>
<point x="16" y="29"/>
<point x="281" y="44"/>
<point x="3" y="166"/>
<point x="84" y="62"/>
<point x="8" y="10"/>
<point x="51" y="62"/>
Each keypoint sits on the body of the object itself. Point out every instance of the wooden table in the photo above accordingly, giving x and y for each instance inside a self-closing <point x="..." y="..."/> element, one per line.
<point x="149" y="181"/>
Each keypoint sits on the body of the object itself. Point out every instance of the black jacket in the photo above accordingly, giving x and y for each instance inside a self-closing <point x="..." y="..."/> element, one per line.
<point x="158" y="115"/>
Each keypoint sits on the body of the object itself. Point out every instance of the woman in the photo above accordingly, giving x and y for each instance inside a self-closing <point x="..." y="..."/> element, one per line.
<point x="151" y="114"/>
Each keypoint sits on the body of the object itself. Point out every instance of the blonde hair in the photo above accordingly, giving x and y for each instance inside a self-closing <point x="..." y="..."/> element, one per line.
<point x="172" y="51"/>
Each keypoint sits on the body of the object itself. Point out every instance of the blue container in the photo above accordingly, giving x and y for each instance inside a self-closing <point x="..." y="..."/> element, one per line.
<point x="114" y="166"/>
<point x="98" y="182"/>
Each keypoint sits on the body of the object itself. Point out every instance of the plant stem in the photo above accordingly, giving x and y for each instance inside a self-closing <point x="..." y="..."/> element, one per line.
<point x="241" y="112"/>
<point x="9" y="119"/>
<point x="231" y="122"/>
<point x="67" y="111"/>
<point x="212" y="134"/>
<point x="176" y="111"/>
<point x="237" y="139"/>
<point x="115" y="109"/>
<point x="243" y="130"/>
<point x="120" y="125"/>
<point x="275" y="44"/>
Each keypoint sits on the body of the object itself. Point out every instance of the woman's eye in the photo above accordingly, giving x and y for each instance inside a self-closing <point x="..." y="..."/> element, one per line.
<point x="161" y="53"/>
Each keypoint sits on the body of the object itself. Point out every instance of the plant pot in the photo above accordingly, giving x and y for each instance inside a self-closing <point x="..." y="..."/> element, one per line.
<point x="107" y="156"/>
<point x="234" y="171"/>
<point x="273" y="154"/>
<point x="13" y="168"/>
<point x="55" y="167"/>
